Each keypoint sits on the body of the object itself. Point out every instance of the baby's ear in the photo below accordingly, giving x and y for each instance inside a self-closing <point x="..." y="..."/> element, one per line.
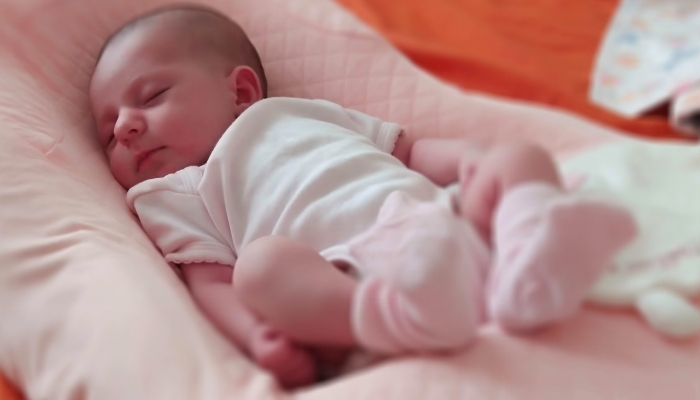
<point x="245" y="86"/>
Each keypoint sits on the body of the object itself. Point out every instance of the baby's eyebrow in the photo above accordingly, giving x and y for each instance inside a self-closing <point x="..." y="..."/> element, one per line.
<point x="144" y="78"/>
<point x="134" y="84"/>
<point x="131" y="88"/>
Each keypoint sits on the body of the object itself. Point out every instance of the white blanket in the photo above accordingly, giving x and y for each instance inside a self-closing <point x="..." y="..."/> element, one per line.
<point x="660" y="183"/>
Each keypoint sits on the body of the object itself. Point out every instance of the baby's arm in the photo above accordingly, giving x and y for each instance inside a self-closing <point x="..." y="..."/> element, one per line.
<point x="438" y="159"/>
<point x="211" y="287"/>
<point x="485" y="175"/>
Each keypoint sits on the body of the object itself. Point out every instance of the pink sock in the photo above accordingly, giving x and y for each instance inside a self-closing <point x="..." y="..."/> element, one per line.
<point x="550" y="249"/>
<point x="422" y="279"/>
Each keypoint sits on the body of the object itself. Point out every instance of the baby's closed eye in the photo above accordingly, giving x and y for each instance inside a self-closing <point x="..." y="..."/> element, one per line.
<point x="156" y="95"/>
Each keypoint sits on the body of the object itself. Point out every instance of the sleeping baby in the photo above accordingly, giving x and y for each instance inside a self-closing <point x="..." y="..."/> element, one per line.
<point x="300" y="225"/>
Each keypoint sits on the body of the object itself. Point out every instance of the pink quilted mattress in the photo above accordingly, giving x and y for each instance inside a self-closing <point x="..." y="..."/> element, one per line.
<point x="89" y="310"/>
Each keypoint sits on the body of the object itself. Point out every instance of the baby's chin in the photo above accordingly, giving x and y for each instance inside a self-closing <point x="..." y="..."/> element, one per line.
<point x="128" y="183"/>
<point x="156" y="171"/>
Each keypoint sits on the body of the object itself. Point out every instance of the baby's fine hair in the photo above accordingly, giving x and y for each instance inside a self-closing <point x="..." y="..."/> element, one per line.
<point x="206" y="30"/>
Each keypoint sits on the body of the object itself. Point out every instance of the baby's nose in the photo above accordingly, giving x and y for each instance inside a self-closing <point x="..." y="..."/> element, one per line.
<point x="129" y="126"/>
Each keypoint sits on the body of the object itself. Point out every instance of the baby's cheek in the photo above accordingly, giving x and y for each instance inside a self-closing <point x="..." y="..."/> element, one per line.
<point x="120" y="169"/>
<point x="168" y="116"/>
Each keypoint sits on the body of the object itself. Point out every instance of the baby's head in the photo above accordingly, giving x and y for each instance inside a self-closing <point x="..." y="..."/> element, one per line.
<point x="166" y="87"/>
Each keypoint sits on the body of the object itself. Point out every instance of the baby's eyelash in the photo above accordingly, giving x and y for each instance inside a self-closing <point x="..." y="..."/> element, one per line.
<point x="156" y="95"/>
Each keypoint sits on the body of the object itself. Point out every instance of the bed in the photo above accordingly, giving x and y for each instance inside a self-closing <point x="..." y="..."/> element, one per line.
<point x="90" y="311"/>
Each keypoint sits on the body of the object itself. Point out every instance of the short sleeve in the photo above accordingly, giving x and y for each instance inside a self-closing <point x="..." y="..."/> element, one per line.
<point x="175" y="218"/>
<point x="383" y="134"/>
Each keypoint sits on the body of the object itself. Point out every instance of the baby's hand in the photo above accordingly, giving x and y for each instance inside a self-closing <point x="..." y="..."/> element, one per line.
<point x="292" y="365"/>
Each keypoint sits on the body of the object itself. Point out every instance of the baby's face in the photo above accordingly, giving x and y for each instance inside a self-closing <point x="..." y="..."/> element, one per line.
<point x="157" y="108"/>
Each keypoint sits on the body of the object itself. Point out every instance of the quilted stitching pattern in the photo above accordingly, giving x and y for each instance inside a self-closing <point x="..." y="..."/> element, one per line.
<point x="339" y="59"/>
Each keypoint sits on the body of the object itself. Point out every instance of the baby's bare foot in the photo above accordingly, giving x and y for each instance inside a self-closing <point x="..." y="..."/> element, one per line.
<point x="292" y="365"/>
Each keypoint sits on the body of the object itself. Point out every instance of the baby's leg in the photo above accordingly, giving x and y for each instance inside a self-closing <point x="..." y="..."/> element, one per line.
<point x="297" y="291"/>
<point x="421" y="288"/>
<point x="550" y="248"/>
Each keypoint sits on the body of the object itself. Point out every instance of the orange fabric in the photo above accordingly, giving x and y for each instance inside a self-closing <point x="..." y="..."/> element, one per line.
<point x="535" y="50"/>
<point x="7" y="392"/>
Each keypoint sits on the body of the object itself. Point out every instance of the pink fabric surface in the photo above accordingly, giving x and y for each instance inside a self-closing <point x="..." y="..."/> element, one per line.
<point x="594" y="356"/>
<point x="90" y="310"/>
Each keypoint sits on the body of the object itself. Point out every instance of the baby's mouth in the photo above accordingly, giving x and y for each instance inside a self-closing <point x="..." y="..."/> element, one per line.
<point x="145" y="157"/>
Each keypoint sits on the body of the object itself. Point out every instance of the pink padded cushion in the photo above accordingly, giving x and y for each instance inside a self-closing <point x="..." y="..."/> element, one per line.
<point x="90" y="310"/>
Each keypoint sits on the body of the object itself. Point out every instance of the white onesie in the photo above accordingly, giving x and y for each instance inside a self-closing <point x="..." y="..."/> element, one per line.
<point x="309" y="170"/>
